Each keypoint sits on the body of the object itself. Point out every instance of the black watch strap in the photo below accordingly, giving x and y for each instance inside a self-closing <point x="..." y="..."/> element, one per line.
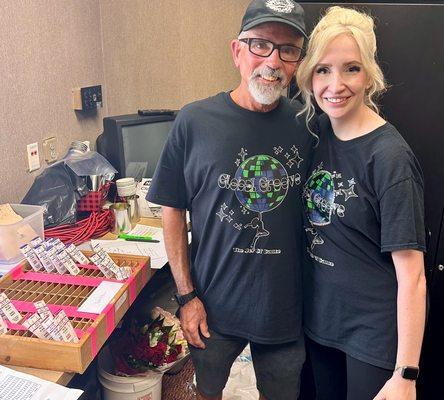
<point x="408" y="372"/>
<point x="184" y="299"/>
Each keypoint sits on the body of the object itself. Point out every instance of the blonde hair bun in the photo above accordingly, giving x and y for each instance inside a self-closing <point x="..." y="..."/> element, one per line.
<point x="347" y="18"/>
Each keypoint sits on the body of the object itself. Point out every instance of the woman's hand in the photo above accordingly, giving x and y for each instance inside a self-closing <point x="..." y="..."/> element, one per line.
<point x="397" y="388"/>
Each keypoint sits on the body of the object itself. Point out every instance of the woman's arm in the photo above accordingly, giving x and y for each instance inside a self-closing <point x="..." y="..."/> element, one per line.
<point x="411" y="304"/>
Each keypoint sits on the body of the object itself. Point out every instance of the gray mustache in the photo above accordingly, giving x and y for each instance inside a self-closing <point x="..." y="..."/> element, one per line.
<point x="267" y="71"/>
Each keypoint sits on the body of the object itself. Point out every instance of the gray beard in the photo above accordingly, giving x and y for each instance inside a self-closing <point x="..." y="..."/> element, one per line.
<point x="265" y="94"/>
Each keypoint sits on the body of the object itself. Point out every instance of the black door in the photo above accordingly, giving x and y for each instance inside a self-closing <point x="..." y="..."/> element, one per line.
<point x="411" y="54"/>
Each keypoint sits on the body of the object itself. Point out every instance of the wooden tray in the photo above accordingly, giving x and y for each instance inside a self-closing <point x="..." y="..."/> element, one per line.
<point x="24" y="287"/>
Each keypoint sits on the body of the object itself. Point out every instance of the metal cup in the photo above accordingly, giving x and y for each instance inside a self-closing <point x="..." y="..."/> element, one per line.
<point x="95" y="182"/>
<point x="134" y="207"/>
<point x="122" y="217"/>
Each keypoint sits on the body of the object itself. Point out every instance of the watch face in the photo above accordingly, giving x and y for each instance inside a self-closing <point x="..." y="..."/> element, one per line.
<point x="410" y="373"/>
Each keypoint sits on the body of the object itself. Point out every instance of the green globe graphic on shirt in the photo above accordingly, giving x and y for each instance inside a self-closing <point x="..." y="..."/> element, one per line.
<point x="319" y="197"/>
<point x="265" y="176"/>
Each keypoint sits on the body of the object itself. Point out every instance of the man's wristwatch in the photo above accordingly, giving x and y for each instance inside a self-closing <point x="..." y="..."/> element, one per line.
<point x="408" y="372"/>
<point x="184" y="299"/>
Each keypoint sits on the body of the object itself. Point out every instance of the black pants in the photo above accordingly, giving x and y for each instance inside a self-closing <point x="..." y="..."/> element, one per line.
<point x="338" y="376"/>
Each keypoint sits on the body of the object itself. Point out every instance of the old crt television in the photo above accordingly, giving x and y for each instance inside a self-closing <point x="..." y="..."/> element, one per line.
<point x="133" y="143"/>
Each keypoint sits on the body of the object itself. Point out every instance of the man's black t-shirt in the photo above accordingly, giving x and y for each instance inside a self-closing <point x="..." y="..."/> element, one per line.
<point x="240" y="173"/>
<point x="363" y="200"/>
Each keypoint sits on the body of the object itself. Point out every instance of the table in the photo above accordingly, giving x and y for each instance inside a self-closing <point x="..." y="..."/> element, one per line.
<point x="63" y="378"/>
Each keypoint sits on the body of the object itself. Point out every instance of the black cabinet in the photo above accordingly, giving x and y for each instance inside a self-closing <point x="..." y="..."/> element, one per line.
<point x="411" y="54"/>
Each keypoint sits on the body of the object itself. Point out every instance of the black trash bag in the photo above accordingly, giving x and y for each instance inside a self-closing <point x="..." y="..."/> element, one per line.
<point x="57" y="189"/>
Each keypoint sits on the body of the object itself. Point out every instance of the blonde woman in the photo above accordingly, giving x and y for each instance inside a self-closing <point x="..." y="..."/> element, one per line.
<point x="365" y="292"/>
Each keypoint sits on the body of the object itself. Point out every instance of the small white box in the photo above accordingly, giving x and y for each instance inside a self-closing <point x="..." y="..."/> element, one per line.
<point x="146" y="208"/>
<point x="13" y="236"/>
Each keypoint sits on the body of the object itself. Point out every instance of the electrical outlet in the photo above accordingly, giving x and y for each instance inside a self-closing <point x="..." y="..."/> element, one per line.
<point x="32" y="150"/>
<point x="50" y="150"/>
<point x="87" y="98"/>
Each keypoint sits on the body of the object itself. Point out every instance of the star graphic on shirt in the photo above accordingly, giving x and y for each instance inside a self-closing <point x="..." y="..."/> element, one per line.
<point x="350" y="192"/>
<point x="340" y="184"/>
<point x="237" y="162"/>
<point x="351" y="182"/>
<point x="221" y="214"/>
<point x="296" y="159"/>
<point x="278" y="150"/>
<point x="242" y="153"/>
<point x="244" y="210"/>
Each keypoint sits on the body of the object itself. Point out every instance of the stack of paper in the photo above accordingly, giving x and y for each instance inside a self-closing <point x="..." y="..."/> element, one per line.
<point x="156" y="251"/>
<point x="19" y="386"/>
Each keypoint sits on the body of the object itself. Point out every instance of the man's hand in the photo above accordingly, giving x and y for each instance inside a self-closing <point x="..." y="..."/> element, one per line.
<point x="397" y="388"/>
<point x="193" y="320"/>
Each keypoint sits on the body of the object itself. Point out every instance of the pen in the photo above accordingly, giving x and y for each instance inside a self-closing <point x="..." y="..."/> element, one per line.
<point x="142" y="240"/>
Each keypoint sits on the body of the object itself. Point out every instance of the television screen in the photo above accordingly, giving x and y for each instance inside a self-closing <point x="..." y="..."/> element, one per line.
<point x="133" y="143"/>
<point x="142" y="145"/>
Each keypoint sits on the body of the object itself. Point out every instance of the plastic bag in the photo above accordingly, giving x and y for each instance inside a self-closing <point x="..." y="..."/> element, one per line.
<point x="60" y="185"/>
<point x="57" y="189"/>
<point x="241" y="384"/>
<point x="90" y="163"/>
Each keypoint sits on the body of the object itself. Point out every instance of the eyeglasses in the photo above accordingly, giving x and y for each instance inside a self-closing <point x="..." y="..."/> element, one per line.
<point x="264" y="48"/>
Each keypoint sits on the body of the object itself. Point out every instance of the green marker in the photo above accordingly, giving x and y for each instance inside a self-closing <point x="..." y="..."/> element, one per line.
<point x="136" y="238"/>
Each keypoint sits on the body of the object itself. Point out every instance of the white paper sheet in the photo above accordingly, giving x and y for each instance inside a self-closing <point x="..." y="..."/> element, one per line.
<point x="146" y="230"/>
<point x="120" y="246"/>
<point x="153" y="232"/>
<point x="100" y="297"/>
<point x="19" y="386"/>
<point x="156" y="251"/>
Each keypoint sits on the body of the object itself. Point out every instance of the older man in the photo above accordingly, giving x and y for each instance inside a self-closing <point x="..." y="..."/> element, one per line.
<point x="236" y="161"/>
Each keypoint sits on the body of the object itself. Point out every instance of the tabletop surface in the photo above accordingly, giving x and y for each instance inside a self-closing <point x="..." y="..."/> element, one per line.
<point x="63" y="378"/>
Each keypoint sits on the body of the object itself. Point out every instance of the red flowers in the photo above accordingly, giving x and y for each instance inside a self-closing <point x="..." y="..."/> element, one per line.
<point x="154" y="346"/>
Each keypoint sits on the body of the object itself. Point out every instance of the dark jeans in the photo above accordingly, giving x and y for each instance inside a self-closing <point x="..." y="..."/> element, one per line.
<point x="277" y="366"/>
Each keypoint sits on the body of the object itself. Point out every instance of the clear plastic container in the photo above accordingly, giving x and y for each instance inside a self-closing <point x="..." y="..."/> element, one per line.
<point x="15" y="235"/>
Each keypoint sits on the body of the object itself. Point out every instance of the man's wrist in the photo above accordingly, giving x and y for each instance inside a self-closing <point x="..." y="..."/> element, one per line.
<point x="184" y="285"/>
<point x="184" y="290"/>
<point x="183" y="299"/>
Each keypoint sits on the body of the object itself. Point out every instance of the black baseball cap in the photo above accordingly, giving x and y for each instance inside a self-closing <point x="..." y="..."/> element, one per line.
<point x="284" y="11"/>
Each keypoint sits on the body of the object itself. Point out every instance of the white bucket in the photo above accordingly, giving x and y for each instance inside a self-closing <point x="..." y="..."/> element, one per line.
<point x="127" y="388"/>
